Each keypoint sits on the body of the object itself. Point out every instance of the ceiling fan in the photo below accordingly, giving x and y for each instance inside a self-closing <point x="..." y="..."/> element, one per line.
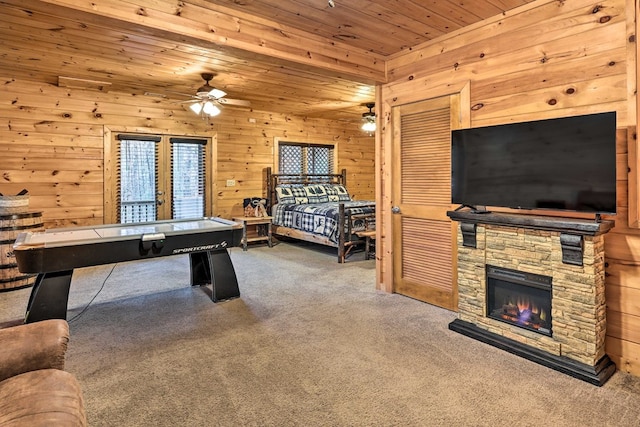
<point x="207" y="98"/>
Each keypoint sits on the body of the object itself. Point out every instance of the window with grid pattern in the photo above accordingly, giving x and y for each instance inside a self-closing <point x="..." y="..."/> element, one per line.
<point x="304" y="158"/>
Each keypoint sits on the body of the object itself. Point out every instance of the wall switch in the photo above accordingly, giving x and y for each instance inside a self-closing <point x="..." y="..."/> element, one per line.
<point x="231" y="183"/>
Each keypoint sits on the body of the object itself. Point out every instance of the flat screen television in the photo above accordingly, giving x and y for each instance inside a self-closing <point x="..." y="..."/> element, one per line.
<point x="564" y="163"/>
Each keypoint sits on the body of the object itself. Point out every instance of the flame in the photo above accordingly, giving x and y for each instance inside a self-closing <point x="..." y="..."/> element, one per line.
<point x="524" y="304"/>
<point x="524" y="311"/>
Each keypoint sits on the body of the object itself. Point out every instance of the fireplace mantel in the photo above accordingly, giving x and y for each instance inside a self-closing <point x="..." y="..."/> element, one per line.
<point x="584" y="227"/>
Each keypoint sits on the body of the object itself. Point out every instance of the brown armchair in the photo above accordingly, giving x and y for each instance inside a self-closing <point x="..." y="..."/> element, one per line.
<point x="34" y="388"/>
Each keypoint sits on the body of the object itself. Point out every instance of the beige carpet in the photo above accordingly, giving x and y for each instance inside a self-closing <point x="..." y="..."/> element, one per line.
<point x="310" y="342"/>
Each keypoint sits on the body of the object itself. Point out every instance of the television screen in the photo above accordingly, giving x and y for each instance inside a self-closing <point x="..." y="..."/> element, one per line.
<point x="566" y="163"/>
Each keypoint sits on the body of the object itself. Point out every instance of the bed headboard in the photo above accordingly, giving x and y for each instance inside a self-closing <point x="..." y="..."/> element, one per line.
<point x="275" y="179"/>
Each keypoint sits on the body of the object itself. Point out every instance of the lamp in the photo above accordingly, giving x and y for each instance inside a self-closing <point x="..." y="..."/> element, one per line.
<point x="369" y="119"/>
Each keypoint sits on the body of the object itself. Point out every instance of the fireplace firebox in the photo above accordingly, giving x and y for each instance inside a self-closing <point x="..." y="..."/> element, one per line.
<point x="519" y="298"/>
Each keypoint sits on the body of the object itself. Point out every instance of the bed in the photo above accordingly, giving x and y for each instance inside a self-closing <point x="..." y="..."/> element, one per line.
<point x="319" y="209"/>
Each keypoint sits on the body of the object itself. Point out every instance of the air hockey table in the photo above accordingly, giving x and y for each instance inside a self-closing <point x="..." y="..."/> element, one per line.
<point x="54" y="254"/>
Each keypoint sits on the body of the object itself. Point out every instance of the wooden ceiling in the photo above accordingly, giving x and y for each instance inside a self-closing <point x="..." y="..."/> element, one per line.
<point x="300" y="57"/>
<point x="383" y="27"/>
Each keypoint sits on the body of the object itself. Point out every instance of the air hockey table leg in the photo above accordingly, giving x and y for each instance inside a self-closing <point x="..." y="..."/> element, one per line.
<point x="49" y="297"/>
<point x="215" y="267"/>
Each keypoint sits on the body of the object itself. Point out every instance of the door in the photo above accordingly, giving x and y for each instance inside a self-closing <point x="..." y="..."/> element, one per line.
<point x="424" y="259"/>
<point x="158" y="177"/>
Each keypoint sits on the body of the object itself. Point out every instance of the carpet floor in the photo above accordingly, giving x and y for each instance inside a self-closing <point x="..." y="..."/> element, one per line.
<point x="310" y="342"/>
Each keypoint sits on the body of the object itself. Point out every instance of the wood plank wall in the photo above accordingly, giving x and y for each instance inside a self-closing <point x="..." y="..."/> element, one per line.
<point x="545" y="59"/>
<point x="51" y="143"/>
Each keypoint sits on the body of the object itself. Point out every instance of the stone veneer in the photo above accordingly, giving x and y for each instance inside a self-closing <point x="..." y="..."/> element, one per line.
<point x="577" y="297"/>
<point x="532" y="244"/>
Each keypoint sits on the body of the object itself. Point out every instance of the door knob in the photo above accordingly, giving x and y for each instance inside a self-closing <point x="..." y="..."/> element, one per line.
<point x="395" y="209"/>
<point x="159" y="202"/>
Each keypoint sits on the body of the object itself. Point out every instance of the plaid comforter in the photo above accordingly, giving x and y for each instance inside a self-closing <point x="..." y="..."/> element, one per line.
<point x="319" y="218"/>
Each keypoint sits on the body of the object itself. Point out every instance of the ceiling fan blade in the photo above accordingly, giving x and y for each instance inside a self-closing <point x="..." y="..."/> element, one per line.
<point x="155" y="94"/>
<point x="238" y="102"/>
<point x="216" y="93"/>
<point x="182" y="94"/>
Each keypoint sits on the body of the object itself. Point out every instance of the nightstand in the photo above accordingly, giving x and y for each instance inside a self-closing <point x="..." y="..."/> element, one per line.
<point x="369" y="243"/>
<point x="259" y="222"/>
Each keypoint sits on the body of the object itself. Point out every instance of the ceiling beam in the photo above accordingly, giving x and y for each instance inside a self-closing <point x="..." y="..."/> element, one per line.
<point x="203" y="23"/>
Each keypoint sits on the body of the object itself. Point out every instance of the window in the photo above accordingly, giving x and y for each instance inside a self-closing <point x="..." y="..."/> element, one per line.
<point x="138" y="161"/>
<point x="187" y="178"/>
<point x="305" y="158"/>
<point x="156" y="177"/>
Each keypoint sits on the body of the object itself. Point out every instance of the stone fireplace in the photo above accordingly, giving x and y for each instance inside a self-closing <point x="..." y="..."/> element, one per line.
<point x="534" y="286"/>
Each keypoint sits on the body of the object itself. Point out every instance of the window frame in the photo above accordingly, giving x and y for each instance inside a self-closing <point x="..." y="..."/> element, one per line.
<point x="277" y="141"/>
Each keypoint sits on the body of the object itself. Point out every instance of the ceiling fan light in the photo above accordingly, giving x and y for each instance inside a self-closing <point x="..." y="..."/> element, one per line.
<point x="196" y="107"/>
<point x="211" y="109"/>
<point x="369" y="119"/>
<point x="369" y="125"/>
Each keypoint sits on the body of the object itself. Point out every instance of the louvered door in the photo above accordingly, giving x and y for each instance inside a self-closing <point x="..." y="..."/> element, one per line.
<point x="423" y="235"/>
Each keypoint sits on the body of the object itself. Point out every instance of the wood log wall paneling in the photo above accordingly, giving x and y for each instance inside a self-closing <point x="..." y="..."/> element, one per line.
<point x="546" y="59"/>
<point x="51" y="143"/>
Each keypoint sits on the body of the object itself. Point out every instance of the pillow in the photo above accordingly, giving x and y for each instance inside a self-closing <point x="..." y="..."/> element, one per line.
<point x="316" y="193"/>
<point x="337" y="193"/>
<point x="284" y="194"/>
<point x="291" y="194"/>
